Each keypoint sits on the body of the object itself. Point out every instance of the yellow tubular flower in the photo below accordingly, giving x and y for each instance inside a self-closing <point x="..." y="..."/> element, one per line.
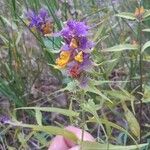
<point x="63" y="59"/>
<point x="74" y="43"/>
<point x="142" y="10"/>
<point x="47" y="28"/>
<point x="79" y="57"/>
<point x="139" y="11"/>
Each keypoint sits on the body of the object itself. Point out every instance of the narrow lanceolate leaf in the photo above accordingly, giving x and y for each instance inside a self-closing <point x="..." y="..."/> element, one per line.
<point x="9" y="23"/>
<point x="65" y="112"/>
<point x="113" y="125"/>
<point x="146" y="14"/>
<point x="146" y="30"/>
<point x="91" y="88"/>
<point x="97" y="146"/>
<point x="145" y="46"/>
<point x="38" y="116"/>
<point x="126" y="15"/>
<point x="48" y="129"/>
<point x="132" y="121"/>
<point x="122" y="47"/>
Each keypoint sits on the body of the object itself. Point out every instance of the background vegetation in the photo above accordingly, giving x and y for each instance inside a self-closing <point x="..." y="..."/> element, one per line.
<point x="39" y="100"/>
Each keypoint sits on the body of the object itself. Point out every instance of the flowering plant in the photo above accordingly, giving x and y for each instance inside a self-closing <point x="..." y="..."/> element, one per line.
<point x="40" y="21"/>
<point x="75" y="53"/>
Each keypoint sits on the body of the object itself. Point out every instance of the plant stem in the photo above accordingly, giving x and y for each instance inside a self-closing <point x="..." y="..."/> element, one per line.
<point x="83" y="118"/>
<point x="141" y="83"/>
<point x="141" y="72"/>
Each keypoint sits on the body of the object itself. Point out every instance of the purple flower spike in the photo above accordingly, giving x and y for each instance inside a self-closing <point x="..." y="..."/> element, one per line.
<point x="41" y="21"/>
<point x="75" y="53"/>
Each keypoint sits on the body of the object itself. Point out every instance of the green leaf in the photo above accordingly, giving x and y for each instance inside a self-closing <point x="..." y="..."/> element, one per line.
<point x="41" y="137"/>
<point x="92" y="108"/>
<point x="118" y="48"/>
<point x="19" y="37"/>
<point x="111" y="124"/>
<point x="145" y="46"/>
<point x="52" y="44"/>
<point x="126" y="15"/>
<point x="38" y="116"/>
<point x="7" y="91"/>
<point x="146" y="30"/>
<point x="97" y="146"/>
<point x="10" y="24"/>
<point x="121" y="95"/>
<point x="11" y="148"/>
<point x="71" y="86"/>
<point x="132" y="121"/>
<point x="4" y="39"/>
<point x="91" y="88"/>
<point x="146" y="14"/>
<point x="99" y="33"/>
<point x="21" y="138"/>
<point x="101" y="82"/>
<point x="146" y="96"/>
<point x="49" y="130"/>
<point x="65" y="112"/>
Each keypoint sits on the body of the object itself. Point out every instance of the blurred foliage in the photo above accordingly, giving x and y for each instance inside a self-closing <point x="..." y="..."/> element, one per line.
<point x="111" y="101"/>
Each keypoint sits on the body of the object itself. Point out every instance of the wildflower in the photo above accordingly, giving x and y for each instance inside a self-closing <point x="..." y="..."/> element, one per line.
<point x="63" y="59"/>
<point x="74" y="43"/>
<point x="47" y="28"/>
<point x="75" y="36"/>
<point x="139" y="12"/>
<point x="41" y="21"/>
<point x="75" y="53"/>
<point x="79" y="57"/>
<point x="75" y="72"/>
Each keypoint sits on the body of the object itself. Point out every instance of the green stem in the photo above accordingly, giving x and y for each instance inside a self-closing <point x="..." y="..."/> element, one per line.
<point x="83" y="119"/>
<point x="141" y="72"/>
<point x="131" y="73"/>
<point x="141" y="81"/>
